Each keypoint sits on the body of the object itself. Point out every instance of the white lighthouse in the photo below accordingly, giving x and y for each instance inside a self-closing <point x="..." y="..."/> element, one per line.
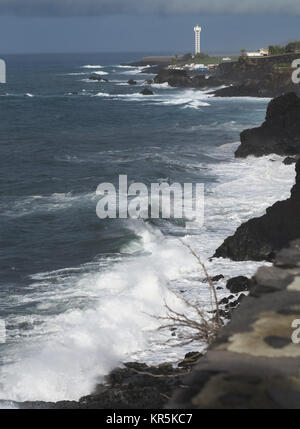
<point x="197" y="31"/>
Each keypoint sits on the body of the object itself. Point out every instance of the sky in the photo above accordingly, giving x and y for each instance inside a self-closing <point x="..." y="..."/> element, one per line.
<point x="162" y="26"/>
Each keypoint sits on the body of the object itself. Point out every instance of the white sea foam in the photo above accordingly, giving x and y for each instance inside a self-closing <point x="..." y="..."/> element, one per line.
<point x="188" y="98"/>
<point x="8" y="405"/>
<point x="136" y="70"/>
<point x="92" y="81"/>
<point x="100" y="73"/>
<point x="196" y="104"/>
<point x="80" y="344"/>
<point x="89" y="343"/>
<point x="76" y="74"/>
<point x="92" y="67"/>
<point x="103" y="94"/>
<point x="164" y="85"/>
<point x="42" y="203"/>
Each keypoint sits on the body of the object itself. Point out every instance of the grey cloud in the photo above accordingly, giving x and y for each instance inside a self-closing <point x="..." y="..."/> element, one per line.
<point x="102" y="7"/>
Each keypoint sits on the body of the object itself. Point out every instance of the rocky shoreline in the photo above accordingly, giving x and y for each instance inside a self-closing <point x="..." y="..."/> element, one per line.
<point x="136" y="385"/>
<point x="259" y="239"/>
<point x="253" y="363"/>
<point x="248" y="77"/>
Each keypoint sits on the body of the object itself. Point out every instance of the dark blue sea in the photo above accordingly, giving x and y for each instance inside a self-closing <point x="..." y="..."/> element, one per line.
<point x="78" y="294"/>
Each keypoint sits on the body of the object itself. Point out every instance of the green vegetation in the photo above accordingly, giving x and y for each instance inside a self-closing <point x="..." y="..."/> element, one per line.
<point x="282" y="65"/>
<point x="201" y="58"/>
<point x="276" y="50"/>
<point x="292" y="47"/>
<point x="187" y="57"/>
<point x="287" y="49"/>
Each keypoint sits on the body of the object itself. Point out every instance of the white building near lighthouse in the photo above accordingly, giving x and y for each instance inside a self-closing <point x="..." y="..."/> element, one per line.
<point x="197" y="31"/>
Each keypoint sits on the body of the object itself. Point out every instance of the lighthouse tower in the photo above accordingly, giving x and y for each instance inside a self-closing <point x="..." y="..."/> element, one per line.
<point x="197" y="31"/>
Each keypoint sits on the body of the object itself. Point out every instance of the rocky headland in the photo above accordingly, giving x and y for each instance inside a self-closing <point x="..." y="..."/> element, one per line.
<point x="183" y="79"/>
<point x="253" y="77"/>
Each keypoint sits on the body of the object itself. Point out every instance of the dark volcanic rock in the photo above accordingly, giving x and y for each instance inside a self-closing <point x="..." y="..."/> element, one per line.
<point x="175" y="78"/>
<point x="270" y="85"/>
<point x="279" y="134"/>
<point x="214" y="279"/>
<point x="238" y="284"/>
<point x="190" y="360"/>
<point x="253" y="364"/>
<point x="181" y="79"/>
<point x="257" y="77"/>
<point x="146" y="91"/>
<point x="206" y="81"/>
<point x="132" y="82"/>
<point x="136" y="386"/>
<point x="252" y="77"/>
<point x="98" y="78"/>
<point x="260" y="238"/>
<point x="289" y="160"/>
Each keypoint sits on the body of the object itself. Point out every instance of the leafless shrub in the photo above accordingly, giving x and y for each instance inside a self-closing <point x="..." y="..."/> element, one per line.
<point x="206" y="324"/>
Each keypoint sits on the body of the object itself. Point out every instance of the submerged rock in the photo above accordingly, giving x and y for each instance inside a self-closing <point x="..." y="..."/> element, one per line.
<point x="98" y="78"/>
<point x="146" y="91"/>
<point x="132" y="82"/>
<point x="279" y="134"/>
<point x="260" y="238"/>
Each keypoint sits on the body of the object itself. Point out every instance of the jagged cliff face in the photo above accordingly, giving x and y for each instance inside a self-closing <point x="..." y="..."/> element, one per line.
<point x="257" y="77"/>
<point x="259" y="239"/>
<point x="254" y="67"/>
<point x="253" y="77"/>
<point x="279" y="134"/>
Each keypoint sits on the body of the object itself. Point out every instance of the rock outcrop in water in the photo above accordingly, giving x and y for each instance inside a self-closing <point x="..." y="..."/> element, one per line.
<point x="181" y="79"/>
<point x="146" y="91"/>
<point x="254" y="364"/>
<point x="175" y="78"/>
<point x="279" y="134"/>
<point x="97" y="78"/>
<point x="259" y="238"/>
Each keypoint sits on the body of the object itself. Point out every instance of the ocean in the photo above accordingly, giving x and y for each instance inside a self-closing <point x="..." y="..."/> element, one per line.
<point x="80" y="295"/>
